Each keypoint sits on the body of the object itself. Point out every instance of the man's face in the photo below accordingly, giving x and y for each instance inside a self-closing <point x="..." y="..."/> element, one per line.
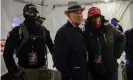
<point x="97" y="21"/>
<point x="75" y="17"/>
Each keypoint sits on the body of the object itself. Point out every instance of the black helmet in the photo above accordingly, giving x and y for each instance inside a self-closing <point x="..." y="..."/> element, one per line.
<point x="30" y="10"/>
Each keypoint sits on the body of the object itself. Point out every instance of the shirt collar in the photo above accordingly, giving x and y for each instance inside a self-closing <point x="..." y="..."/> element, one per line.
<point x="81" y="26"/>
<point x="72" y="23"/>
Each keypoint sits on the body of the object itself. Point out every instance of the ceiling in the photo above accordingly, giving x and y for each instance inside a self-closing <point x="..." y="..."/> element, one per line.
<point x="60" y="2"/>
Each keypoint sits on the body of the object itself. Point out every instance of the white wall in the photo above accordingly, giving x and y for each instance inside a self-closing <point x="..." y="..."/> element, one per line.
<point x="5" y="23"/>
<point x="127" y="19"/>
<point x="7" y="14"/>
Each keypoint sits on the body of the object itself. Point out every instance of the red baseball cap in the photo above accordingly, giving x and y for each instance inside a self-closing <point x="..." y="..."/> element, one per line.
<point x="93" y="11"/>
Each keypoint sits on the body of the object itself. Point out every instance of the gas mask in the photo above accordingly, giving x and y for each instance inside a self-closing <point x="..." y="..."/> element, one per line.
<point x="31" y="13"/>
<point x="39" y="20"/>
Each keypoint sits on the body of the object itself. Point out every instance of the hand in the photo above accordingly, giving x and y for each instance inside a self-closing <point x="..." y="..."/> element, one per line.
<point x="18" y="77"/>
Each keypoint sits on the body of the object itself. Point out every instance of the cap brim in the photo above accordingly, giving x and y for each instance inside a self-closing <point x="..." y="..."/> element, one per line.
<point x="94" y="14"/>
<point x="72" y="10"/>
<point x="117" y="20"/>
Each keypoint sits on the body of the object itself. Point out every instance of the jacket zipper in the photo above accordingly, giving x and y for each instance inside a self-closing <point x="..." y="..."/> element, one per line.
<point x="100" y="49"/>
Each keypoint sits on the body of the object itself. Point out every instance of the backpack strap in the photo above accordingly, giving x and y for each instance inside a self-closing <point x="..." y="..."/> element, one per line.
<point x="23" y="30"/>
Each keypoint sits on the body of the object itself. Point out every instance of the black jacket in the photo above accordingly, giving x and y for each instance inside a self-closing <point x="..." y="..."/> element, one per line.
<point x="120" y="28"/>
<point x="129" y="44"/>
<point x="69" y="53"/>
<point x="13" y="41"/>
<point x="111" y="42"/>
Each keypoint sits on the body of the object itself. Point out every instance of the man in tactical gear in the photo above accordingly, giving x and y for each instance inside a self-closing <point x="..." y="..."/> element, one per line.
<point x="29" y="40"/>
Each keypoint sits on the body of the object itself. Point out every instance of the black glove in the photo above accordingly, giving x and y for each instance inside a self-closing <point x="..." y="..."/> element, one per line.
<point x="18" y="76"/>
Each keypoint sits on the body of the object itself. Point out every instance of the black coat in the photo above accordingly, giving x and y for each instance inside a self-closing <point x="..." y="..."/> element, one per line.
<point x="13" y="41"/>
<point x="69" y="53"/>
<point x="120" y="28"/>
<point x="111" y="42"/>
<point x="129" y="44"/>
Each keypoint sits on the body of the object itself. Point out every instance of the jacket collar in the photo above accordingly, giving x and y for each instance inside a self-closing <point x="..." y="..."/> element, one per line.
<point x="72" y="23"/>
<point x="69" y="24"/>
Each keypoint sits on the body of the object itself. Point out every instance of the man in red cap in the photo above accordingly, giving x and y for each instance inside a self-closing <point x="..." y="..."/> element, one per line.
<point x="104" y="44"/>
